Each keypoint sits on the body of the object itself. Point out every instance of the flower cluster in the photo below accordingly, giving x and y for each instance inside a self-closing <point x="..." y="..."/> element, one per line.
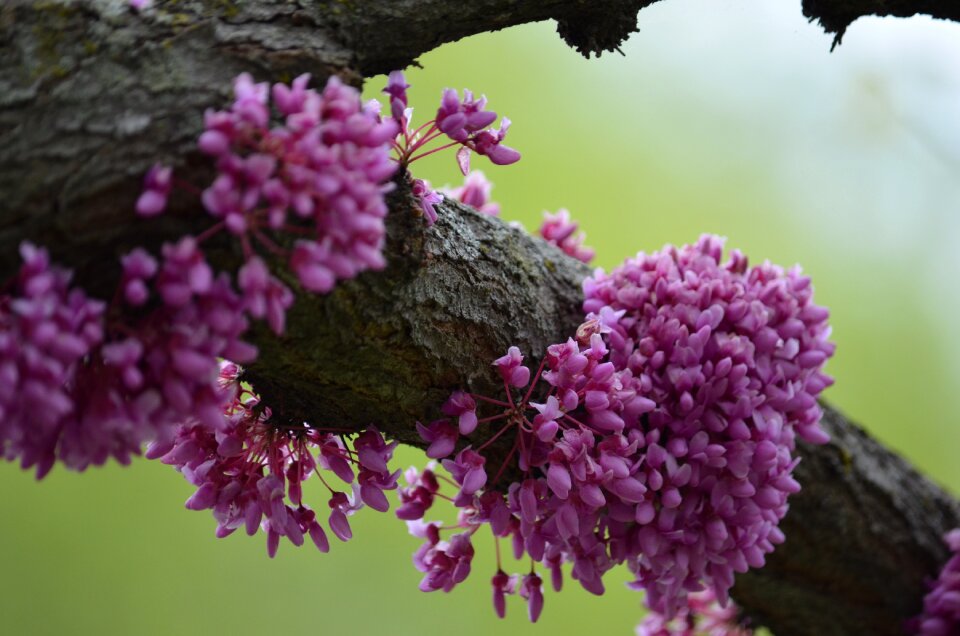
<point x="941" y="605"/>
<point x="85" y="382"/>
<point x="732" y="355"/>
<point x="558" y="229"/>
<point x="664" y="433"/>
<point x="466" y="124"/>
<point x="701" y="616"/>
<point x="109" y="387"/>
<point x="320" y="175"/>
<point x="46" y="329"/>
<point x="250" y="471"/>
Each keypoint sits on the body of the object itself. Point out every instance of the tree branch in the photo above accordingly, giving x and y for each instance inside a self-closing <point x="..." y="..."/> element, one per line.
<point x="91" y="94"/>
<point x="836" y="15"/>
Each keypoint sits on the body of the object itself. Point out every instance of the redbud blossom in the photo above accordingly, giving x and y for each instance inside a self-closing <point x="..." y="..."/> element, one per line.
<point x="475" y="192"/>
<point x="661" y="438"/>
<point x="941" y="605"/>
<point x="559" y="230"/>
<point x="702" y="616"/>
<point x="156" y="188"/>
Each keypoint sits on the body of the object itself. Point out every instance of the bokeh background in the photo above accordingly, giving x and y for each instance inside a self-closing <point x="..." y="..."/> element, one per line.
<point x="729" y="117"/>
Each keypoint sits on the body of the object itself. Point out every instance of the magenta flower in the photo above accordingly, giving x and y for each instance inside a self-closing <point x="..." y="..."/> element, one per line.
<point x="530" y="589"/>
<point x="46" y="330"/>
<point x="427" y="199"/>
<point x="503" y="585"/>
<point x="444" y="564"/>
<point x="250" y="471"/>
<point x="156" y="186"/>
<point x="109" y="393"/>
<point x="489" y="143"/>
<point x="264" y="296"/>
<point x="465" y="122"/>
<point x="397" y="90"/>
<point x="138" y="268"/>
<point x="441" y="436"/>
<point x="464" y="408"/>
<point x="511" y="368"/>
<point x="467" y="470"/>
<point x="324" y="171"/>
<point x="559" y="230"/>
<point x="662" y="436"/>
<point x="419" y="494"/>
<point x="475" y="192"/>
<point x="941" y="605"/>
<point x="702" y="616"/>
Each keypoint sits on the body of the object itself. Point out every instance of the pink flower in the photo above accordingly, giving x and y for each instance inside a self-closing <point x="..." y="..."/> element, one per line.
<point x="511" y="368"/>
<point x="475" y="192"/>
<point x="464" y="408"/>
<point x="467" y="469"/>
<point x="441" y="436"/>
<point x="427" y="199"/>
<point x="156" y="185"/>
<point x="559" y="230"/>
<point x="530" y="589"/>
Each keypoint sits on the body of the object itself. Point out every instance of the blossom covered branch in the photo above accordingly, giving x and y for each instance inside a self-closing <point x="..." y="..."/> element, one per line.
<point x="411" y="334"/>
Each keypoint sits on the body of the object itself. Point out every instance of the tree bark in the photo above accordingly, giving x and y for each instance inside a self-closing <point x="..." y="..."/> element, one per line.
<point x="836" y="15"/>
<point x="92" y="93"/>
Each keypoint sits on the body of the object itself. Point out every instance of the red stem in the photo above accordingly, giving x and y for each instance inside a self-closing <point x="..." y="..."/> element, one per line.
<point x="506" y="460"/>
<point x="488" y="400"/>
<point x="210" y="231"/>
<point x="533" y="382"/>
<point x="493" y="439"/>
<point x="430" y="152"/>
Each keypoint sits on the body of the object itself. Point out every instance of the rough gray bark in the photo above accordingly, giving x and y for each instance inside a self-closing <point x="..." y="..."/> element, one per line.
<point x="836" y="15"/>
<point x="862" y="537"/>
<point x="390" y="347"/>
<point x="91" y="94"/>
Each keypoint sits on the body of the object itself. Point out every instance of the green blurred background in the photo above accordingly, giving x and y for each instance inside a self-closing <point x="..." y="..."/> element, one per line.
<point x="727" y="117"/>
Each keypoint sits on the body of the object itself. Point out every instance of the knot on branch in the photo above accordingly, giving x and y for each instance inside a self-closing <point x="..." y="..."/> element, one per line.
<point x="601" y="27"/>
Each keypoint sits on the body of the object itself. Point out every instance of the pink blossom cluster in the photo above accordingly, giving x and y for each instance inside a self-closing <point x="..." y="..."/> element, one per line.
<point x="465" y="123"/>
<point x="46" y="330"/>
<point x="701" y="616"/>
<point x="250" y="471"/>
<point x="941" y="605"/>
<point x="163" y="369"/>
<point x="558" y="229"/>
<point x="732" y="355"/>
<point x="664" y="433"/>
<point x="109" y="386"/>
<point x="320" y="176"/>
<point x="86" y="382"/>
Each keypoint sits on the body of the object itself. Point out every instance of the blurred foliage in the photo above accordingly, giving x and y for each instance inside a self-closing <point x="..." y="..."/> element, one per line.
<point x="734" y="120"/>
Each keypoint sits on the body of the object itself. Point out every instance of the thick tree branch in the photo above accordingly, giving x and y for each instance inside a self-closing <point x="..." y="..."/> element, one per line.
<point x="389" y="348"/>
<point x="91" y="94"/>
<point x="836" y="15"/>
